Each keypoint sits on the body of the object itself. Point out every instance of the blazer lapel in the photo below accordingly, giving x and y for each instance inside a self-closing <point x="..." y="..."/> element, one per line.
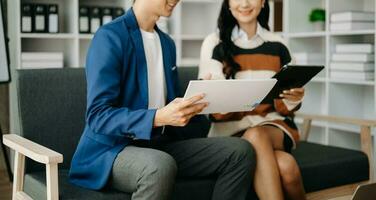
<point x="141" y="68"/>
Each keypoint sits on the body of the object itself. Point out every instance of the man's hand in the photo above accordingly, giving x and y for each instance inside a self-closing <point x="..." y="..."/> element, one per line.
<point x="179" y="111"/>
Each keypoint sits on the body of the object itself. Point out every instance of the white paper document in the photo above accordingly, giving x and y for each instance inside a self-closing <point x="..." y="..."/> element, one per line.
<point x="230" y="95"/>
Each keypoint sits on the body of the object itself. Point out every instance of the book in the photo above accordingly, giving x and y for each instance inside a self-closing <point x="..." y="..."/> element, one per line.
<point x="354" y="57"/>
<point x="84" y="19"/>
<point x="352" y="66"/>
<point x="106" y="15"/>
<point x="352" y="16"/>
<point x="26" y="18"/>
<point x="355" y="48"/>
<point x="41" y="64"/>
<point x="351" y="26"/>
<point x="95" y="19"/>
<point x="53" y="18"/>
<point x="361" y="76"/>
<point x="40" y="11"/>
<point x="44" y="56"/>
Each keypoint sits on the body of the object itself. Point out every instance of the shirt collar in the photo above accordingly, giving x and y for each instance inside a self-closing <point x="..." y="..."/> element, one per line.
<point x="238" y="33"/>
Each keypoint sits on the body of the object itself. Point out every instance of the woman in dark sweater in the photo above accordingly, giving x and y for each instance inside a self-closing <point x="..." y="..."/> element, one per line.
<point x="244" y="48"/>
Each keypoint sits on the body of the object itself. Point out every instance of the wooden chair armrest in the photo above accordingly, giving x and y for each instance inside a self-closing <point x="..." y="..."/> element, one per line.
<point x="32" y="150"/>
<point x="344" y="120"/>
<point x="24" y="147"/>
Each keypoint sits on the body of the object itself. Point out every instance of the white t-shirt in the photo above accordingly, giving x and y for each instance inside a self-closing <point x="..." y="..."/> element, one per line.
<point x="154" y="62"/>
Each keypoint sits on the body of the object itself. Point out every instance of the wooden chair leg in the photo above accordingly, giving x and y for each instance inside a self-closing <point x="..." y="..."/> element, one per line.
<point x="52" y="182"/>
<point x="19" y="173"/>
<point x="366" y="145"/>
<point x="306" y="128"/>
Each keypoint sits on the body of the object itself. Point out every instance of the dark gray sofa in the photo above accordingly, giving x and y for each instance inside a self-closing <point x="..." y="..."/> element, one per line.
<point x="52" y="108"/>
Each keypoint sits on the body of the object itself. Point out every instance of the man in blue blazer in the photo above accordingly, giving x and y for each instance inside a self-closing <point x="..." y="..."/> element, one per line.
<point x="128" y="141"/>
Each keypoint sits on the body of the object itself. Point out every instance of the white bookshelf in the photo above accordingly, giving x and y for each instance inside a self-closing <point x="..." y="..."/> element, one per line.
<point x="193" y="20"/>
<point x="338" y="97"/>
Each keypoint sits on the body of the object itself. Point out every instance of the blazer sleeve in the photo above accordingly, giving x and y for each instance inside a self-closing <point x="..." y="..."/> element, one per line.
<point x="105" y="115"/>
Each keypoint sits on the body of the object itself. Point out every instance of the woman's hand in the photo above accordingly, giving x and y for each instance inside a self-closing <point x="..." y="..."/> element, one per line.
<point x="295" y="94"/>
<point x="179" y="111"/>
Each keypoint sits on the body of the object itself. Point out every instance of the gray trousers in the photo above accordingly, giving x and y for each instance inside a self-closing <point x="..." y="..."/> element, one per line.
<point x="148" y="171"/>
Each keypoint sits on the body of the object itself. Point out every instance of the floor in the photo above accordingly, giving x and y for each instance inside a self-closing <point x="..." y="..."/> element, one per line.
<point x="5" y="186"/>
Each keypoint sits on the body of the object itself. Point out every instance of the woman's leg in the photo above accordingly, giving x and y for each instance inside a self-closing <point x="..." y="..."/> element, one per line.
<point x="290" y="176"/>
<point x="146" y="173"/>
<point x="266" y="139"/>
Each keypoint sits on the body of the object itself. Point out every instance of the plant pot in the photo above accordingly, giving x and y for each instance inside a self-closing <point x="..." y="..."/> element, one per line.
<point x="319" y="26"/>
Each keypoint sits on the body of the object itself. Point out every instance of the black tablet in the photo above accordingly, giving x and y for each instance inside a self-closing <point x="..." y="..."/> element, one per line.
<point x="291" y="76"/>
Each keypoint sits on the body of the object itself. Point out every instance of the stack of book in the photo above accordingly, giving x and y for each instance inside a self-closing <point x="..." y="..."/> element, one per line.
<point x="41" y="60"/>
<point x="305" y="58"/>
<point x="352" y="20"/>
<point x="353" y="62"/>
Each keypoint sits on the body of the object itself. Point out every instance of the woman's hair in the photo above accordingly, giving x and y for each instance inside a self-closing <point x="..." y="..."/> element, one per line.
<point x="226" y="23"/>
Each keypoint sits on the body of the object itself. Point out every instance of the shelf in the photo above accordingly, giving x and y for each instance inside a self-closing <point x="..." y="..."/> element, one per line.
<point x="341" y="81"/>
<point x="318" y="80"/>
<point x="344" y="127"/>
<point x="358" y="32"/>
<point x="86" y="36"/>
<point x="306" y="34"/>
<point x="48" y="35"/>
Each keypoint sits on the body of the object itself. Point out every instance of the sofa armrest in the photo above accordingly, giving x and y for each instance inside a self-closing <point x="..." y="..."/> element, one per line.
<point x="24" y="147"/>
<point x="365" y="131"/>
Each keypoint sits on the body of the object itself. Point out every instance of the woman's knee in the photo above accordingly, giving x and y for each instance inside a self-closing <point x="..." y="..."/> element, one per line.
<point x="289" y="169"/>
<point x="257" y="136"/>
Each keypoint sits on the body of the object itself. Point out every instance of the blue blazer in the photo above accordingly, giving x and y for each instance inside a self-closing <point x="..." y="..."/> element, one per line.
<point x="117" y="98"/>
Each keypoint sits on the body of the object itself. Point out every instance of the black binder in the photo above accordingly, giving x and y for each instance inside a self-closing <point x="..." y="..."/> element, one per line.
<point x="95" y="19"/>
<point x="27" y="18"/>
<point x="84" y="25"/>
<point x="53" y="18"/>
<point x="40" y="25"/>
<point x="117" y="12"/>
<point x="106" y="15"/>
<point x="291" y="76"/>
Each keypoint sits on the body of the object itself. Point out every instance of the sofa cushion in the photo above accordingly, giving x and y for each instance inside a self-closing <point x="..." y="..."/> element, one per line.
<point x="321" y="166"/>
<point x="327" y="166"/>
<point x="35" y="186"/>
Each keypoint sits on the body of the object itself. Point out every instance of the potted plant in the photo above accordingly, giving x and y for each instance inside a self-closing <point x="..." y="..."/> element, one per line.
<point x="317" y="17"/>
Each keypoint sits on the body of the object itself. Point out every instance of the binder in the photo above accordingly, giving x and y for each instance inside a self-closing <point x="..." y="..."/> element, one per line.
<point x="26" y="18"/>
<point x="40" y="11"/>
<point x="291" y="76"/>
<point x="53" y="18"/>
<point x="106" y="15"/>
<point x="84" y="21"/>
<point x="117" y="12"/>
<point x="95" y="19"/>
